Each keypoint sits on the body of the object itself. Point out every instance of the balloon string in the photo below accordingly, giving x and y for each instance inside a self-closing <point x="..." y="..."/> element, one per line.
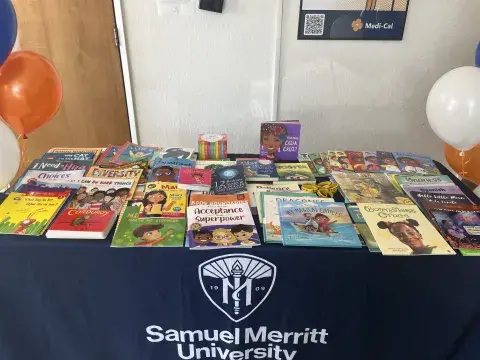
<point x="23" y="150"/>
<point x="462" y="154"/>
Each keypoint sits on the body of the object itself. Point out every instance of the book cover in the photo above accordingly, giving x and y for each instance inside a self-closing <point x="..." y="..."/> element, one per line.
<point x="403" y="230"/>
<point x="163" y="200"/>
<point x="177" y="153"/>
<point x="111" y="173"/>
<point x="371" y="161"/>
<point x="133" y="231"/>
<point x="201" y="199"/>
<point x="320" y="162"/>
<point x="141" y="164"/>
<point x="343" y="160"/>
<point x="35" y="177"/>
<point x="422" y="198"/>
<point x="357" y="161"/>
<point x="221" y="226"/>
<point x="75" y="220"/>
<point x="333" y="161"/>
<point x="195" y="178"/>
<point x="76" y="153"/>
<point x="323" y="224"/>
<point x="131" y="152"/>
<point x="370" y="188"/>
<point x="258" y="169"/>
<point x="414" y="163"/>
<point x="297" y="172"/>
<point x="108" y="155"/>
<point x="414" y="180"/>
<point x="280" y="140"/>
<point x="438" y="189"/>
<point x="363" y="228"/>
<point x="23" y="214"/>
<point x="229" y="180"/>
<point x="304" y="158"/>
<point x="387" y="162"/>
<point x="271" y="219"/>
<point x="213" y="164"/>
<point x="254" y="190"/>
<point x="168" y="169"/>
<point x="58" y="165"/>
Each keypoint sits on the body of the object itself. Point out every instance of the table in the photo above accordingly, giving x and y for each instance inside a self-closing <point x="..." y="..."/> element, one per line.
<point x="77" y="299"/>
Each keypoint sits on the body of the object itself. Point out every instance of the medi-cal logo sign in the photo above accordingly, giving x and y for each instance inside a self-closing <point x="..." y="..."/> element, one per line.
<point x="237" y="284"/>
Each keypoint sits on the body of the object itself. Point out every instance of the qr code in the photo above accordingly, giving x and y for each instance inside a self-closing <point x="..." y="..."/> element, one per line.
<point x="314" y="24"/>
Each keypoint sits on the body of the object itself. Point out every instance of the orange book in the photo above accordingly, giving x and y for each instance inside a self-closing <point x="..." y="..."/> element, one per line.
<point x="200" y="199"/>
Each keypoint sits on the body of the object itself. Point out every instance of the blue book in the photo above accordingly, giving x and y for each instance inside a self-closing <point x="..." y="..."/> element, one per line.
<point x="168" y="169"/>
<point x="414" y="163"/>
<point x="317" y="224"/>
<point x="259" y="169"/>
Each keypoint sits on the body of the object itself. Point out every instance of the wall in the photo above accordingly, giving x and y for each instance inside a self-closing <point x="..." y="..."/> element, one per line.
<point x="206" y="72"/>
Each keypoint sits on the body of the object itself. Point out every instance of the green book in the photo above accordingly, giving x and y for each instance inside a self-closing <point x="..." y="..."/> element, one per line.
<point x="297" y="172"/>
<point x="133" y="231"/>
<point x="363" y="228"/>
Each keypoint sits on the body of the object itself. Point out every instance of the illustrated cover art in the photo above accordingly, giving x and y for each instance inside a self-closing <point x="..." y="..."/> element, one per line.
<point x="23" y="214"/>
<point x="352" y="19"/>
<point x="371" y="161"/>
<point x="197" y="177"/>
<point x="132" y="152"/>
<point x="280" y="140"/>
<point x="320" y="161"/>
<point x="460" y="224"/>
<point x="133" y="231"/>
<point x="372" y="188"/>
<point x="229" y="180"/>
<point x="413" y="163"/>
<point x="84" y="220"/>
<point x="108" y="155"/>
<point x="422" y="198"/>
<point x="201" y="199"/>
<point x="357" y="161"/>
<point x="324" y="224"/>
<point x="168" y="169"/>
<point x="129" y="173"/>
<point x="75" y="153"/>
<point x="305" y="158"/>
<point x="333" y="161"/>
<point x="58" y="165"/>
<point x="259" y="169"/>
<point x="254" y="190"/>
<point x="271" y="217"/>
<point x="177" y="153"/>
<point x="221" y="227"/>
<point x="213" y="164"/>
<point x="387" y="162"/>
<point x="437" y="189"/>
<point x="418" y="180"/>
<point x="297" y="172"/>
<point x="363" y="228"/>
<point x="403" y="230"/>
<point x="141" y="164"/>
<point x="163" y="200"/>
<point x="34" y="177"/>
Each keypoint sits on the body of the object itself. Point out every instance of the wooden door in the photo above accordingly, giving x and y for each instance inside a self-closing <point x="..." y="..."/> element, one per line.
<point x="78" y="37"/>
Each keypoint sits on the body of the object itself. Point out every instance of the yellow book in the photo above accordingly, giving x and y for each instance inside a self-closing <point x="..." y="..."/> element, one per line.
<point x="22" y="214"/>
<point x="163" y="199"/>
<point x="403" y="230"/>
<point x="106" y="173"/>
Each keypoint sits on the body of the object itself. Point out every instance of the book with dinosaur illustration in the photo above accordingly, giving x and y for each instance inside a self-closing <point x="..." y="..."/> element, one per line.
<point x="130" y="152"/>
<point x="403" y="230"/>
<point x="296" y="172"/>
<point x="134" y="231"/>
<point x="24" y="214"/>
<point x="168" y="169"/>
<point x="414" y="163"/>
<point x="322" y="224"/>
<point x="272" y="232"/>
<point x="258" y="169"/>
<point x="163" y="200"/>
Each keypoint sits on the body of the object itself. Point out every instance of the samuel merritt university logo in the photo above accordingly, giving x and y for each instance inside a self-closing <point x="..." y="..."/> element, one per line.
<point x="357" y="25"/>
<point x="237" y="284"/>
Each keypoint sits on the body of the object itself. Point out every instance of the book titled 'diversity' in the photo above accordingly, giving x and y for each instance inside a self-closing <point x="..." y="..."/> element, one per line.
<point x="221" y="226"/>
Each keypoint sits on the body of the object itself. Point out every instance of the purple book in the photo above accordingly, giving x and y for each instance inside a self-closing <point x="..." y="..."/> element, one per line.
<point x="280" y="140"/>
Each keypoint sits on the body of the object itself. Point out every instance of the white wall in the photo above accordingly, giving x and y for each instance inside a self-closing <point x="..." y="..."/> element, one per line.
<point x="207" y="72"/>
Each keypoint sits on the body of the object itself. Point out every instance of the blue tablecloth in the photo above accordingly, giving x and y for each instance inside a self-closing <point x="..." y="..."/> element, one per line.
<point x="67" y="299"/>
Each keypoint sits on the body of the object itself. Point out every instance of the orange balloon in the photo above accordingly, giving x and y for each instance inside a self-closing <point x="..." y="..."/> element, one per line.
<point x="471" y="162"/>
<point x="30" y="91"/>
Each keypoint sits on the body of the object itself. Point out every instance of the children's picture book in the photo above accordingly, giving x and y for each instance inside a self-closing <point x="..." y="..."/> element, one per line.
<point x="213" y="164"/>
<point x="305" y="158"/>
<point x="296" y="172"/>
<point x="30" y="214"/>
<point x="168" y="169"/>
<point x="177" y="153"/>
<point x="371" y="162"/>
<point x="229" y="180"/>
<point x="280" y="140"/>
<point x="321" y="163"/>
<point x="460" y="224"/>
<point x="58" y="165"/>
<point x="413" y="163"/>
<point x="323" y="224"/>
<point x="363" y="228"/>
<point x="35" y="177"/>
<point x="133" y="231"/>
<point x="129" y="173"/>
<point x="436" y="189"/>
<point x="369" y="187"/>
<point x="258" y="169"/>
<point x="333" y="161"/>
<point x="201" y="199"/>
<point x="108" y="155"/>
<point x="130" y="152"/>
<point x="163" y="200"/>
<point x="221" y="227"/>
<point x="403" y="230"/>
<point x="419" y="180"/>
<point x="343" y="160"/>
<point x="421" y="198"/>
<point x="254" y="190"/>
<point x="357" y="161"/>
<point x="272" y="231"/>
<point x="387" y="162"/>
<point x="195" y="179"/>
<point x="76" y="153"/>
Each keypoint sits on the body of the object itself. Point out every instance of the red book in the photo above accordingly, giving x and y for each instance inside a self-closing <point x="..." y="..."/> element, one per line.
<point x="82" y="224"/>
<point x="357" y="161"/>
<point x="195" y="179"/>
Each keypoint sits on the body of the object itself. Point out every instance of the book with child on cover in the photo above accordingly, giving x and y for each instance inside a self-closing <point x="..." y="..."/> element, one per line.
<point x="280" y="141"/>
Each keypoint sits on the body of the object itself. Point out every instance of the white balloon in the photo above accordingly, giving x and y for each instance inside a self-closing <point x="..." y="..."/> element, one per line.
<point x="453" y="107"/>
<point x="10" y="155"/>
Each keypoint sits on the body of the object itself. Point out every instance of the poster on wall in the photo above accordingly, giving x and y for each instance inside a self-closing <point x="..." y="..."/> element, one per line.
<point x="352" y="19"/>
